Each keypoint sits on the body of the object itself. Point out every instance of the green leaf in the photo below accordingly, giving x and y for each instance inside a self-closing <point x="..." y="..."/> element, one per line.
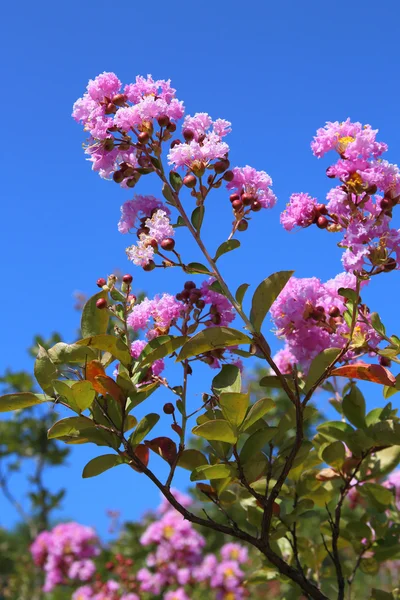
<point x="216" y="287"/>
<point x="98" y="465"/>
<point x="195" y="267"/>
<point x="175" y="180"/>
<point x="160" y="347"/>
<point x="266" y="294"/>
<point x="83" y="394"/>
<point x="272" y="381"/>
<point x="191" y="458"/>
<point x="319" y="365"/>
<point x="109" y="343"/>
<point x="234" y="407"/>
<point x="211" y="339"/>
<point x="78" y="394"/>
<point x="211" y="472"/>
<point x="45" y="371"/>
<point x="226" y="247"/>
<point x="167" y="193"/>
<point x="387" y="460"/>
<point x="197" y="217"/>
<point x="376" y="323"/>
<point x="337" y="430"/>
<point x="65" y="354"/>
<point x="385" y="432"/>
<point x="256" y="442"/>
<point x="229" y="379"/>
<point x="180" y="223"/>
<point x="218" y="430"/>
<point x="381" y="595"/>
<point x="69" y="427"/>
<point x="379" y="496"/>
<point x="10" y="402"/>
<point x="145" y="425"/>
<point x="256" y="467"/>
<point x="94" y="321"/>
<point x="348" y="293"/>
<point x="257" y="411"/>
<point x="334" y="454"/>
<point x="240" y="292"/>
<point x="353" y="406"/>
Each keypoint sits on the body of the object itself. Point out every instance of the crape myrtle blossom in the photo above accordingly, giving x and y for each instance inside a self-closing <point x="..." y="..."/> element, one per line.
<point x="203" y="143"/>
<point x="65" y="553"/>
<point x="140" y="208"/>
<point x="155" y="230"/>
<point x="308" y="315"/>
<point x="254" y="187"/>
<point x="393" y="483"/>
<point x="120" y="121"/>
<point x="354" y="208"/>
<point x="137" y="348"/>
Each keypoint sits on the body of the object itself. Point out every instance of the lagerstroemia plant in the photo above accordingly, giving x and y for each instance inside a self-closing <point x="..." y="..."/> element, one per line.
<point x="277" y="476"/>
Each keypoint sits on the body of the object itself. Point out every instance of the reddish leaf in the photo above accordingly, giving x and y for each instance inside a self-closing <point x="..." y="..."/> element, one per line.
<point x="206" y="489"/>
<point x="177" y="428"/>
<point x="366" y="372"/>
<point x="111" y="388"/>
<point x="143" y="454"/>
<point x="327" y="474"/>
<point x="94" y="368"/>
<point x="164" y="447"/>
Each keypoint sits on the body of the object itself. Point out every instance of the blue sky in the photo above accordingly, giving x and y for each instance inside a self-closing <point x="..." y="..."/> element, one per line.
<point x="276" y="70"/>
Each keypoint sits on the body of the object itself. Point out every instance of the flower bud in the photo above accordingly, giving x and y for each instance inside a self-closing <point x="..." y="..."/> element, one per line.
<point x="127" y="279"/>
<point x="321" y="208"/>
<point x="175" y="143"/>
<point x="234" y="197"/>
<point x="243" y="225"/>
<point x="237" y="205"/>
<point x="334" y="311"/>
<point x="216" y="319"/>
<point x="150" y="266"/>
<point x="385" y="361"/>
<point x="171" y="127"/>
<point x="101" y="303"/>
<point x="169" y="408"/>
<point x="100" y="282"/>
<point x="322" y="222"/>
<point x="163" y="121"/>
<point x="179" y="296"/>
<point x="119" y="99"/>
<point x="188" y="134"/>
<point x="229" y="176"/>
<point x="168" y="244"/>
<point x="221" y="165"/>
<point x="385" y="204"/>
<point x="190" y="181"/>
<point x="143" y="137"/>
<point x="247" y="199"/>
<point x="200" y="304"/>
<point x="189" y="285"/>
<point x="118" y="176"/>
<point x="110" y="109"/>
<point x="256" y="206"/>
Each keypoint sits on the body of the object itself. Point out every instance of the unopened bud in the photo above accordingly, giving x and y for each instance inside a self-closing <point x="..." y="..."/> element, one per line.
<point x="168" y="244"/>
<point x="101" y="303"/>
<point x="143" y="137"/>
<point x="127" y="279"/>
<point x="171" y="127"/>
<point x="247" y="199"/>
<point x="110" y="109"/>
<point x="334" y="311"/>
<point x="150" y="266"/>
<point x="322" y="222"/>
<point x="190" y="181"/>
<point x="163" y="121"/>
<point x="169" y="408"/>
<point x="390" y="265"/>
<point x="237" y="205"/>
<point x="256" y="206"/>
<point x="221" y="165"/>
<point x="188" y="134"/>
<point x="100" y="282"/>
<point x="234" y="197"/>
<point x="118" y="176"/>
<point x="119" y="99"/>
<point x="385" y="361"/>
<point x="321" y="208"/>
<point x="189" y="285"/>
<point x="229" y="176"/>
<point x="243" y="225"/>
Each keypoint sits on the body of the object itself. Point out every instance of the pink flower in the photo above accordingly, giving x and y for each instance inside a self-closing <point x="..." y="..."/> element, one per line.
<point x="352" y="140"/>
<point x="162" y="310"/>
<point x="219" y="304"/>
<point x="139" y="207"/>
<point x="300" y="211"/>
<point x="232" y="551"/>
<point x="393" y="483"/>
<point x="137" y="348"/>
<point x="106" y="84"/>
<point x="285" y="360"/>
<point x="178" y="594"/>
<point x="257" y="183"/>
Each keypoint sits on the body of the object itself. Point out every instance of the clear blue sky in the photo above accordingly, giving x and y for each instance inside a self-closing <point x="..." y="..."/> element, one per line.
<point x="277" y="70"/>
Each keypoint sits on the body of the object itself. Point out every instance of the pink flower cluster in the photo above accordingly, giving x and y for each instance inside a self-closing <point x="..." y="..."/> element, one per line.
<point x="156" y="315"/>
<point x="393" y="483"/>
<point x="354" y="207"/>
<point x="65" y="553"/>
<point x="155" y="230"/>
<point x="255" y="184"/>
<point x="109" y="590"/>
<point x="178" y="562"/>
<point x="203" y="143"/>
<point x="105" y="109"/>
<point x="308" y="315"/>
